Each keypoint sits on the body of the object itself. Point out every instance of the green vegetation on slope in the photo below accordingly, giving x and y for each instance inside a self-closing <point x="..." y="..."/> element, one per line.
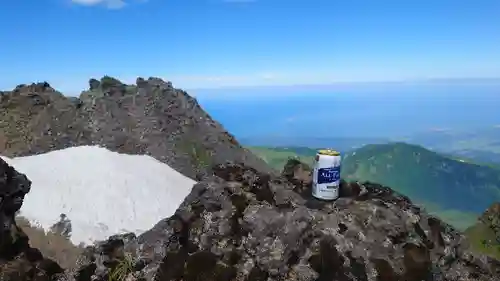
<point x="425" y="176"/>
<point x="459" y="219"/>
<point x="482" y="239"/>
<point x="276" y="157"/>
<point x="484" y="236"/>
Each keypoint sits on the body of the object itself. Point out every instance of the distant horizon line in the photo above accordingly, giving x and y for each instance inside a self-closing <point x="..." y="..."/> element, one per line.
<point x="298" y="85"/>
<point x="352" y="83"/>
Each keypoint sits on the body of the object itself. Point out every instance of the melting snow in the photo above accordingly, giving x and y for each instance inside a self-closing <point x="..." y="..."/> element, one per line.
<point x="102" y="192"/>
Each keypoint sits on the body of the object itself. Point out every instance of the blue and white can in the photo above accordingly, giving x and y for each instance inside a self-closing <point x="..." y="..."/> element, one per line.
<point x="326" y="175"/>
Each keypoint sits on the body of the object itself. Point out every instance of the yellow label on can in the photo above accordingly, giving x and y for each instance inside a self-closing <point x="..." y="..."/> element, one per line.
<point x="329" y="152"/>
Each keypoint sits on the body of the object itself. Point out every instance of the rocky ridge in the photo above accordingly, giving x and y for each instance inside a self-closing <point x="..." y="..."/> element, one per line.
<point x="244" y="225"/>
<point x="240" y="224"/>
<point x="151" y="117"/>
<point x="491" y="218"/>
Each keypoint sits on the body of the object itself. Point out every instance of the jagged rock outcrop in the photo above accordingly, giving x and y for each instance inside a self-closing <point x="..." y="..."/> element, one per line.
<point x="18" y="261"/>
<point x="63" y="226"/>
<point x="297" y="172"/>
<point x="484" y="235"/>
<point x="156" y="119"/>
<point x="491" y="218"/>
<point x="151" y="117"/>
<point x="245" y="225"/>
<point x="36" y="119"/>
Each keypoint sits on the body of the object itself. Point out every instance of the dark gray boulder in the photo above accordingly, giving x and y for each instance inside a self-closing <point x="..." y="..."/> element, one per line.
<point x="245" y="225"/>
<point x="18" y="261"/>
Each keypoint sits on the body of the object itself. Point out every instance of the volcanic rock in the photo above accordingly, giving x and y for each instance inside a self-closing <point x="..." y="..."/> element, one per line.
<point x="484" y="235"/>
<point x="298" y="173"/>
<point x="491" y="218"/>
<point x="36" y="119"/>
<point x="18" y="261"/>
<point x="244" y="225"/>
<point x="151" y="118"/>
<point x="294" y="169"/>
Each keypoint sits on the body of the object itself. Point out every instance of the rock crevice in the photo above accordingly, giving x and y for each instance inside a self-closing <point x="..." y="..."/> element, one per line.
<point x="245" y="225"/>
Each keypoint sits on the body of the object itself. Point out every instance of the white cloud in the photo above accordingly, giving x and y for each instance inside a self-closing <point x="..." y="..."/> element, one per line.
<point x="111" y="4"/>
<point x="270" y="75"/>
<point x="239" y="1"/>
<point x="87" y="2"/>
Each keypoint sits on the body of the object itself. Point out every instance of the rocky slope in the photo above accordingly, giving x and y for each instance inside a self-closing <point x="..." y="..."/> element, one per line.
<point x="245" y="225"/>
<point x="485" y="234"/>
<point x="491" y="217"/>
<point x="150" y="118"/>
<point x="35" y="119"/>
<point x="241" y="224"/>
<point x="18" y="261"/>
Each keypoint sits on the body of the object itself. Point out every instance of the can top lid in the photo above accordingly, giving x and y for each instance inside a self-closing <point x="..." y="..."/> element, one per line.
<point x="328" y="152"/>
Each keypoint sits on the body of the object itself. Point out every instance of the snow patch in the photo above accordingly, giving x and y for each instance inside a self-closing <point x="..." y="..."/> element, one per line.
<point x="102" y="192"/>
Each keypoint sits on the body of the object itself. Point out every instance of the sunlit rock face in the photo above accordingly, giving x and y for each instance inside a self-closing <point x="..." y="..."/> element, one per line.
<point x="245" y="225"/>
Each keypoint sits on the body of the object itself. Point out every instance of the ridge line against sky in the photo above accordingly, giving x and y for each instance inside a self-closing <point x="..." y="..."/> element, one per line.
<point x="231" y="43"/>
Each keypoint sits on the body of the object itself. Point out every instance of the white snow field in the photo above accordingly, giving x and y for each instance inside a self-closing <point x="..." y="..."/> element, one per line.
<point x="102" y="192"/>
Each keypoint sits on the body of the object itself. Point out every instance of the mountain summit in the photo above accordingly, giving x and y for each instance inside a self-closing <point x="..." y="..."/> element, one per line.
<point x="239" y="222"/>
<point x="243" y="225"/>
<point x="150" y="117"/>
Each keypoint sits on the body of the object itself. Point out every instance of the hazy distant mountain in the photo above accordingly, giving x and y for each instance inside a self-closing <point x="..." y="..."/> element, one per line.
<point x="342" y="144"/>
<point x="480" y="145"/>
<point x="425" y="175"/>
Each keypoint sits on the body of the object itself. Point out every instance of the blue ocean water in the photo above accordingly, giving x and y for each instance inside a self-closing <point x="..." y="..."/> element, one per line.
<point x="368" y="111"/>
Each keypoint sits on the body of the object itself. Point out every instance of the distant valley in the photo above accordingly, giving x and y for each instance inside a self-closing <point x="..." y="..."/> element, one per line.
<point x="340" y="143"/>
<point x="481" y="145"/>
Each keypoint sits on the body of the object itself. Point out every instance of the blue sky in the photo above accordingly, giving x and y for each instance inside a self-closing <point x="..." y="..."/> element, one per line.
<point x="214" y="43"/>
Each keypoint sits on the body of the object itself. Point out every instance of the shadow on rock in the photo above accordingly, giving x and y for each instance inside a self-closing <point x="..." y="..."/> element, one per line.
<point x="18" y="261"/>
<point x="243" y="225"/>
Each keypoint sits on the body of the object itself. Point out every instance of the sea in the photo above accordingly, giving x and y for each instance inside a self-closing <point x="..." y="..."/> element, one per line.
<point x="368" y="110"/>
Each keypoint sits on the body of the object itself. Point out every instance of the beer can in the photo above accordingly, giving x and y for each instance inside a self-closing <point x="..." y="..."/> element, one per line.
<point x="326" y="174"/>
